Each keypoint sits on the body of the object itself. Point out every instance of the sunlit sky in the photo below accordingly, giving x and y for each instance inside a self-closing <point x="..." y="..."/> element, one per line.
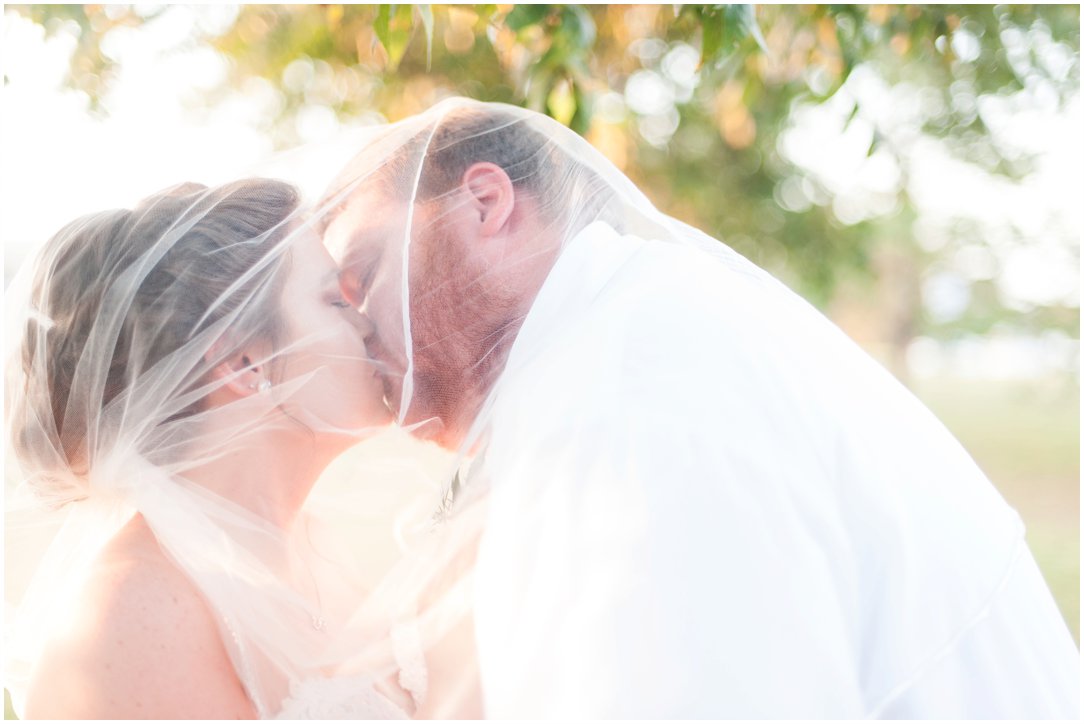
<point x="59" y="161"/>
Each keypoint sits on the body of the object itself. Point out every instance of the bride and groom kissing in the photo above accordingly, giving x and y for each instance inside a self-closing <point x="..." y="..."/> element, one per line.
<point x="681" y="491"/>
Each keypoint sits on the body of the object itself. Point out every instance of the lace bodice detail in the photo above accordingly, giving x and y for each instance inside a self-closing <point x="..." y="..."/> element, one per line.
<point x="354" y="697"/>
<point x="358" y="697"/>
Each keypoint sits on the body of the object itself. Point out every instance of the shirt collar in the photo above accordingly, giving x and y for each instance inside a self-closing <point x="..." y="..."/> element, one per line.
<point x="586" y="264"/>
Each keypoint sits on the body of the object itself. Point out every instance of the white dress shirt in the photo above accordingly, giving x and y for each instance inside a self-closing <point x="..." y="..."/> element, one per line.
<point x="707" y="501"/>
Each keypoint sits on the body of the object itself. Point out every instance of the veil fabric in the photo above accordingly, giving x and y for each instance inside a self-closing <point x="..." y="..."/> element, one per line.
<point x="701" y="498"/>
<point x="191" y="361"/>
<point x="669" y="486"/>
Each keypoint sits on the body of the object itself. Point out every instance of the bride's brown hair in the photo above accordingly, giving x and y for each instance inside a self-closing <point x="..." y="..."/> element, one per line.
<point x="222" y="235"/>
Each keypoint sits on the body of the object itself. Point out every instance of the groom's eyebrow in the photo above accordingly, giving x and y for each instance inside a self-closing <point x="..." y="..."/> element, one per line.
<point x="320" y="224"/>
<point x="329" y="215"/>
<point x="346" y="254"/>
<point x="359" y="248"/>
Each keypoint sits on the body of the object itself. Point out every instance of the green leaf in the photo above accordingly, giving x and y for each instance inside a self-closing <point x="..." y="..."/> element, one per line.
<point x="712" y="29"/>
<point x="724" y="28"/>
<point x="578" y="25"/>
<point x="393" y="27"/>
<point x="745" y="17"/>
<point x="524" y="15"/>
<point x="538" y="87"/>
<point x="555" y="57"/>
<point x="485" y="12"/>
<point x="561" y="102"/>
<point x="426" y="11"/>
<point x="581" y="121"/>
<point x="734" y="25"/>
<point x="851" y="116"/>
<point x="380" y="25"/>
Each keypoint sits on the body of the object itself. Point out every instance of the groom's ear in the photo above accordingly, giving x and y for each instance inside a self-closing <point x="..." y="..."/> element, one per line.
<point x="491" y="196"/>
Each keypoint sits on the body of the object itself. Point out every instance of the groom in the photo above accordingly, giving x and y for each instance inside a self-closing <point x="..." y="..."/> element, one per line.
<point x="704" y="500"/>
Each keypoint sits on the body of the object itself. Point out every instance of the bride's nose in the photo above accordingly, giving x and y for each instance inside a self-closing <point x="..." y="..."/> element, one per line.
<point x="364" y="323"/>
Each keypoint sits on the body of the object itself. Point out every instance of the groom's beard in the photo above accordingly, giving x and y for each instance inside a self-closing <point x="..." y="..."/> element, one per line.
<point x="452" y="386"/>
<point x="457" y="369"/>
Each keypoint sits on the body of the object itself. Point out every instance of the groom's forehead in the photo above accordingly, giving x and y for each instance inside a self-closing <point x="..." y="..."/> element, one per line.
<point x="351" y="244"/>
<point x="362" y="228"/>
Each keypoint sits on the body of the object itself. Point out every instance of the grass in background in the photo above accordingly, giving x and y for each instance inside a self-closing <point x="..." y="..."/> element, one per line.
<point x="1026" y="436"/>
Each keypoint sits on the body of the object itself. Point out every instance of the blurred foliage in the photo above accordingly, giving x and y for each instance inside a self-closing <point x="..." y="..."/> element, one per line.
<point x="693" y="102"/>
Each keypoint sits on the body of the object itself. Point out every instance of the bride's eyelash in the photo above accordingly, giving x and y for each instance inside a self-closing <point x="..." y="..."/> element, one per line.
<point x="336" y="299"/>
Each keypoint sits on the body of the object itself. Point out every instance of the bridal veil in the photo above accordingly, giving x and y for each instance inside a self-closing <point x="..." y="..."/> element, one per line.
<point x="702" y="498"/>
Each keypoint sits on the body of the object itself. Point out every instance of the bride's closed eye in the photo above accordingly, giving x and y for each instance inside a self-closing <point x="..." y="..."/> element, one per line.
<point x="333" y="295"/>
<point x="336" y="299"/>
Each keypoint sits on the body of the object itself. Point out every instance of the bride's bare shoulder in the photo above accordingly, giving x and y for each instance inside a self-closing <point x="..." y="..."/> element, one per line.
<point x="141" y="643"/>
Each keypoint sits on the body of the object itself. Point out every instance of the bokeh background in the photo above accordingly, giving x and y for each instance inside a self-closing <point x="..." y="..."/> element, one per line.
<point x="915" y="171"/>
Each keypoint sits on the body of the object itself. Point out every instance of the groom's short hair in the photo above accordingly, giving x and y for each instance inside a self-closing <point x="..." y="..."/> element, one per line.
<point x="466" y="136"/>
<point x="463" y="136"/>
<point x="565" y="191"/>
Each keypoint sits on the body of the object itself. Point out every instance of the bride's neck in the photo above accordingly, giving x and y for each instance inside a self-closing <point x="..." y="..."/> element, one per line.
<point x="269" y="472"/>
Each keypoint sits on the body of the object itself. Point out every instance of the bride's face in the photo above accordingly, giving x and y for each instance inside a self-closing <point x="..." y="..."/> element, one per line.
<point x="325" y="374"/>
<point x="362" y="240"/>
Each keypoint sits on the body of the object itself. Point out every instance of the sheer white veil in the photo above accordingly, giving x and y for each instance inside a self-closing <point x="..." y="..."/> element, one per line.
<point x="383" y="217"/>
<point x="450" y="272"/>
<point x="447" y="279"/>
<point x="145" y="347"/>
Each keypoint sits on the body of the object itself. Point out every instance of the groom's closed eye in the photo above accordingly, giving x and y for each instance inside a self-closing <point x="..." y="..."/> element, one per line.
<point x="353" y="285"/>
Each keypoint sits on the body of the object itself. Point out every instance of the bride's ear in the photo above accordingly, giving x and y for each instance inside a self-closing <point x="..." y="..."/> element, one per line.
<point x="241" y="372"/>
<point x="491" y="195"/>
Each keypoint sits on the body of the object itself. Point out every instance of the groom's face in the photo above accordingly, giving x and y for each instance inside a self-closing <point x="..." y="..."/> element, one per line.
<point x="448" y="291"/>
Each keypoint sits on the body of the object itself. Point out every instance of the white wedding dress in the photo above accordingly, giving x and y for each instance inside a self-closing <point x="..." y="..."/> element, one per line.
<point x="339" y="698"/>
<point x="362" y="696"/>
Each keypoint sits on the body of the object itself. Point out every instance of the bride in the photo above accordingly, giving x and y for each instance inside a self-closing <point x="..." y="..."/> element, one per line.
<point x="178" y="376"/>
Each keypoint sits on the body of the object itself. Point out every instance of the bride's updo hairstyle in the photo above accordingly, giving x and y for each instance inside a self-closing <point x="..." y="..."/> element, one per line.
<point x="117" y="294"/>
